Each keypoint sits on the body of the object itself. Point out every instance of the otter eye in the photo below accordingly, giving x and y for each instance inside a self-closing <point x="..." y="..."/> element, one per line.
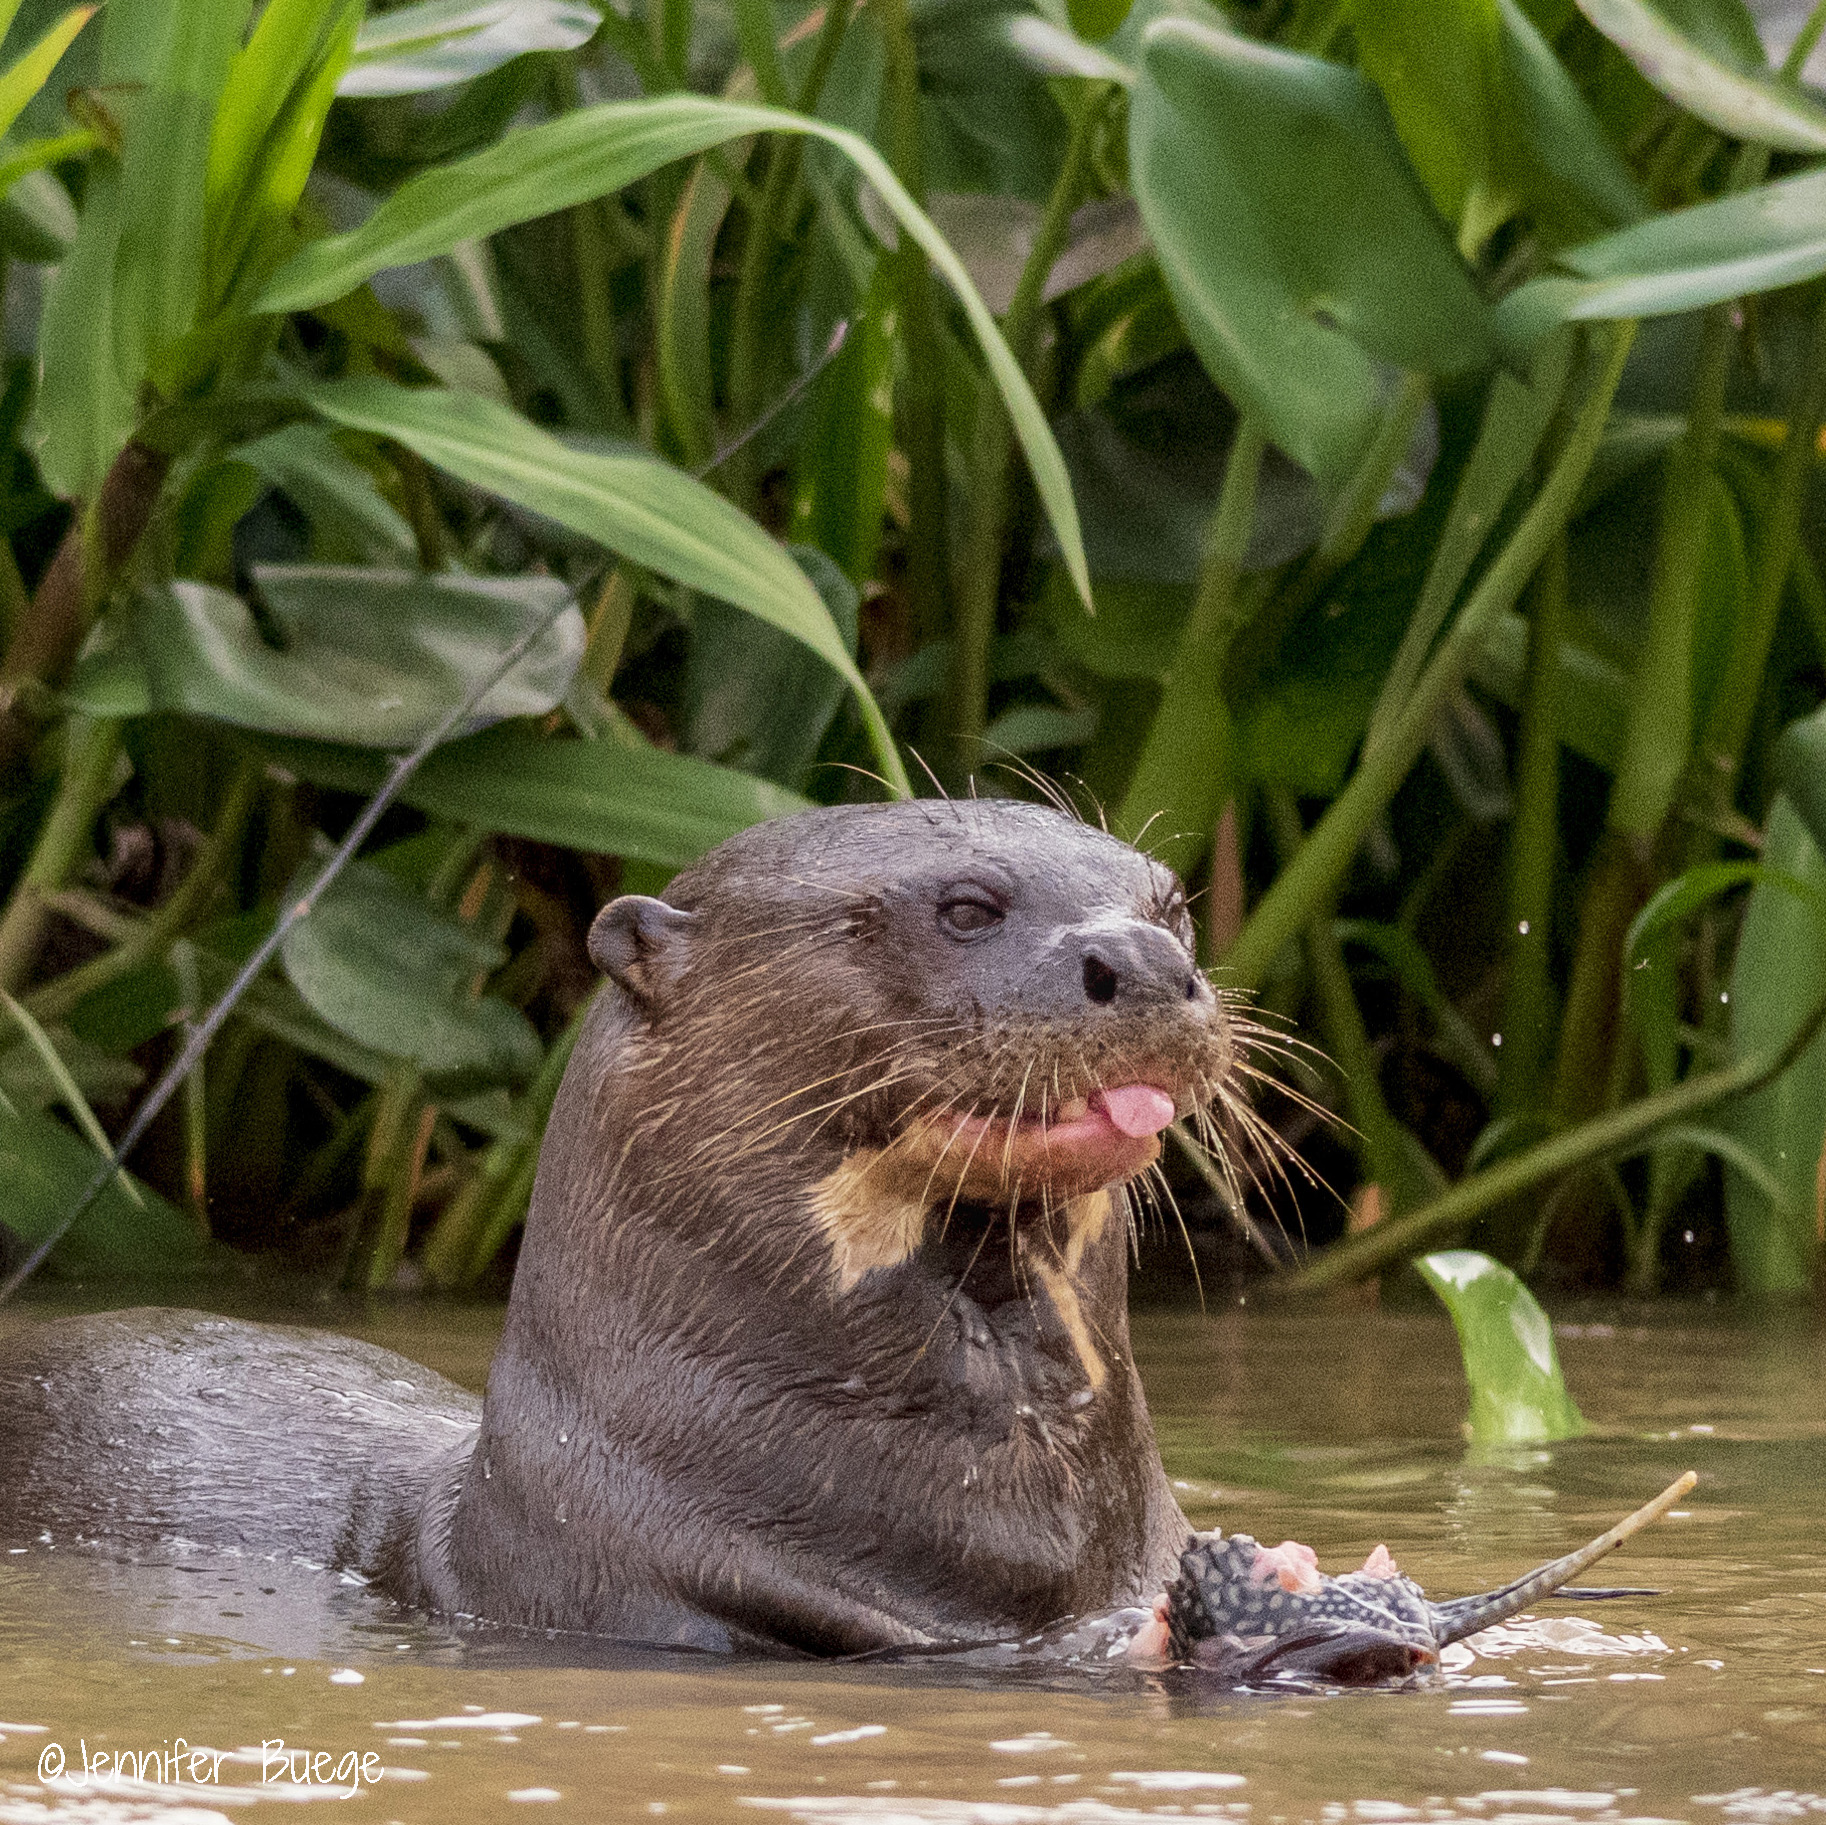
<point x="966" y="917"/>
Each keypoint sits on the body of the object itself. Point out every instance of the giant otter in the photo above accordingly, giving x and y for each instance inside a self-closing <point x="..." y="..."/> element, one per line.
<point x="818" y="1337"/>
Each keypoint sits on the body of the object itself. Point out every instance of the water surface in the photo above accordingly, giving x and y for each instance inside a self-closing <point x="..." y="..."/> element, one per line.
<point x="1338" y="1426"/>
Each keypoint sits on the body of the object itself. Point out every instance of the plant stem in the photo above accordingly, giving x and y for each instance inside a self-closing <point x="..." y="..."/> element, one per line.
<point x="591" y="262"/>
<point x="928" y="534"/>
<point x="1614" y="1134"/>
<point x="188" y="901"/>
<point x="1658" y="747"/>
<point x="1385" y="1154"/>
<point x="1528" y="999"/>
<point x="456" y="1253"/>
<point x="754" y="30"/>
<point x="1183" y="773"/>
<point x="978" y="587"/>
<point x="836" y="22"/>
<point x="44" y="641"/>
<point x="88" y="773"/>
<point x="1353" y="514"/>
<point x="1734" y="706"/>
<point x="1320" y="865"/>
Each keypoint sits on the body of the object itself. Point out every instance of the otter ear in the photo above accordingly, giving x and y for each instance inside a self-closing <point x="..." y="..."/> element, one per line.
<point x="640" y="943"/>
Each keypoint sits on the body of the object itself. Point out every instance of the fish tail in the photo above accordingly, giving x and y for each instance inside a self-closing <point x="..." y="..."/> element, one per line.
<point x="1458" y="1617"/>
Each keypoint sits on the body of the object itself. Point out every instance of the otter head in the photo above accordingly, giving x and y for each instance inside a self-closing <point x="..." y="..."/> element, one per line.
<point x="911" y="1009"/>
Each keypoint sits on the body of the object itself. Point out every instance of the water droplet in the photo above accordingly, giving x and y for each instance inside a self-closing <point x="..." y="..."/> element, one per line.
<point x="1523" y="928"/>
<point x="1496" y="1039"/>
<point x="564" y="1438"/>
<point x="1686" y="1235"/>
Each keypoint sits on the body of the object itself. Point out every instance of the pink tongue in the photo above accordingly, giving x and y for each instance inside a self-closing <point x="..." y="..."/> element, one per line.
<point x="1136" y="1109"/>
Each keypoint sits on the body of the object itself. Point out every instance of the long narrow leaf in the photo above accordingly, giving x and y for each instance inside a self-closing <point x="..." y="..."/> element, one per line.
<point x="635" y="505"/>
<point x="1725" y="91"/>
<point x="596" y="150"/>
<point x="68" y="1088"/>
<point x="26" y="77"/>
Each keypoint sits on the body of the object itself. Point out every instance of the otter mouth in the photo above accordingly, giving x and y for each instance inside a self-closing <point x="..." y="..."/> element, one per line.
<point x="1087" y="1144"/>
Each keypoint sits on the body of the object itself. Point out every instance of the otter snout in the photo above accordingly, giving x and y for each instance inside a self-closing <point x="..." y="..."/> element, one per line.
<point x="1123" y="965"/>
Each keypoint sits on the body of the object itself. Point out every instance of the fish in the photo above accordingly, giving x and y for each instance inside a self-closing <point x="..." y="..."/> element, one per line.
<point x="1253" y="1614"/>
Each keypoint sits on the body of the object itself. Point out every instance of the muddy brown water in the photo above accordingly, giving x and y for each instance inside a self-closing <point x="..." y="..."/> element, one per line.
<point x="1338" y="1426"/>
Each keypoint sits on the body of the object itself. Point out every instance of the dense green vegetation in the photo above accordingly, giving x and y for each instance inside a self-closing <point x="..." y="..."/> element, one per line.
<point x="1427" y="394"/>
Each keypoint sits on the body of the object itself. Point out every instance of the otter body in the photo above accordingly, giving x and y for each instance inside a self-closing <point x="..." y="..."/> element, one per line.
<point x="818" y="1336"/>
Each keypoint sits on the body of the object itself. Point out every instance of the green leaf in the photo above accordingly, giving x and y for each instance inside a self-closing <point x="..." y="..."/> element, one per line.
<point x="349" y="515"/>
<point x="440" y="42"/>
<point x="85" y="407"/>
<point x="383" y="965"/>
<point x="1651" y="960"/>
<point x="1438" y="64"/>
<point x="37" y="219"/>
<point x="46" y="1169"/>
<point x="635" y="505"/>
<point x="1049" y="50"/>
<point x="1299" y="247"/>
<point x="25" y="78"/>
<point x="599" y="796"/>
<point x="843" y="462"/>
<point x="1778" y="976"/>
<point x="1572" y="180"/>
<point x="69" y="1092"/>
<point x="1722" y="76"/>
<point x="1755" y="240"/>
<point x="593" y="151"/>
<point x="1097" y="19"/>
<point x="1593" y="696"/>
<point x="269" y="124"/>
<point x="758" y="700"/>
<point x="1518" y="1395"/>
<point x="371" y="657"/>
<point x="1800" y="765"/>
<point x="180" y="53"/>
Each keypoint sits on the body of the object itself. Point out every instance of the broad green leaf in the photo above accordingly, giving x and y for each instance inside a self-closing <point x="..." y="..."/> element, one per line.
<point x="440" y="42"/>
<point x="1778" y="977"/>
<point x="46" y="1169"/>
<point x="601" y="796"/>
<point x="1095" y="19"/>
<point x="25" y="78"/>
<point x="1518" y="1395"/>
<point x="1800" y="760"/>
<point x="593" y="151"/>
<point x="1299" y="247"/>
<point x="1722" y="76"/>
<point x="1756" y="240"/>
<point x="371" y="657"/>
<point x="635" y="505"/>
<point x="380" y="963"/>
<point x="1438" y="64"/>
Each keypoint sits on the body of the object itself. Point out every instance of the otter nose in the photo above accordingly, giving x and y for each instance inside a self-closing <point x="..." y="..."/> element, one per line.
<point x="1136" y="963"/>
